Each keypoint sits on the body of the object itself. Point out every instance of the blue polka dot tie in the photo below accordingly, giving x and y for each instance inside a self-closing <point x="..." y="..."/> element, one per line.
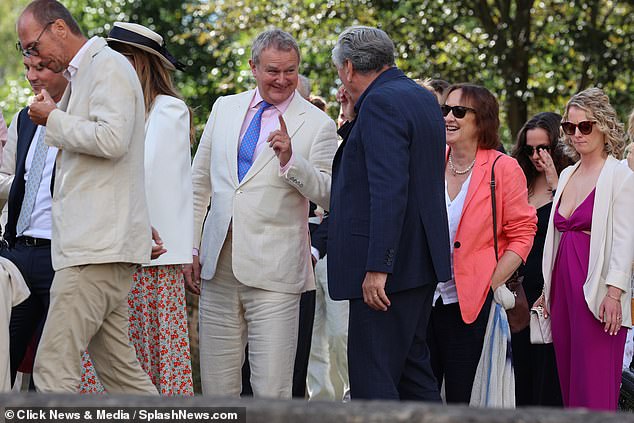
<point x="32" y="183"/>
<point x="249" y="141"/>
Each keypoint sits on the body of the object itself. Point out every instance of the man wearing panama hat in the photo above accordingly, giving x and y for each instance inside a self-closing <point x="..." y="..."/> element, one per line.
<point x="101" y="230"/>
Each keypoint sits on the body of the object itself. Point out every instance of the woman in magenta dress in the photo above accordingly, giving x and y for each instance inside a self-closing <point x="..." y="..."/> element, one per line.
<point x="588" y="255"/>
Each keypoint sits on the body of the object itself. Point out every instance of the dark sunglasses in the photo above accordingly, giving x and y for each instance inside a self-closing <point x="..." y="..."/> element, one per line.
<point x="585" y="127"/>
<point x="31" y="49"/>
<point x="458" y="111"/>
<point x="529" y="149"/>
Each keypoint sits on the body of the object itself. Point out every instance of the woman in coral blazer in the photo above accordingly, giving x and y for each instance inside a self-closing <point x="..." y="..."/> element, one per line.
<point x="588" y="255"/>
<point x="461" y="305"/>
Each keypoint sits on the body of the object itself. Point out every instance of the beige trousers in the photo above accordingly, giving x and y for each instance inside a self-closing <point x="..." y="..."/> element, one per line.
<point x="89" y="310"/>
<point x="231" y="314"/>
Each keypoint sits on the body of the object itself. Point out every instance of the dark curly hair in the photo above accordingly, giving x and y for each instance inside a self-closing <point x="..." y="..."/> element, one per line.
<point x="549" y="122"/>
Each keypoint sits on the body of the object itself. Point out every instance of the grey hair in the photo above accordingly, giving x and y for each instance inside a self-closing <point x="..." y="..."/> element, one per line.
<point x="368" y="49"/>
<point x="275" y="38"/>
<point x="304" y="86"/>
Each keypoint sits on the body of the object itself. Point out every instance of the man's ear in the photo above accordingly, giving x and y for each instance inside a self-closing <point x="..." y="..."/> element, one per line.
<point x="60" y="29"/>
<point x="252" y="66"/>
<point x="349" y="70"/>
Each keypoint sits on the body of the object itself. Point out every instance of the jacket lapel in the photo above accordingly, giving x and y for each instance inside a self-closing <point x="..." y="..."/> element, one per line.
<point x="477" y="176"/>
<point x="602" y="202"/>
<point x="232" y="138"/>
<point x="294" y="118"/>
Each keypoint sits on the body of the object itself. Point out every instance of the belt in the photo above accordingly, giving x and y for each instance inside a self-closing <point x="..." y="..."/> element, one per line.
<point x="32" y="242"/>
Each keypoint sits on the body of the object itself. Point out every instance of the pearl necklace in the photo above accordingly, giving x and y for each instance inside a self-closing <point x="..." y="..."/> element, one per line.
<point x="459" y="172"/>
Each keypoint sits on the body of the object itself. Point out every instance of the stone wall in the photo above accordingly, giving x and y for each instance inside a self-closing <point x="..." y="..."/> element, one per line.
<point x="277" y="411"/>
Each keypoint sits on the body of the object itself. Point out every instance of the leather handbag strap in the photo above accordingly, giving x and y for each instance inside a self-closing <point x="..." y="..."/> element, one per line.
<point x="494" y="208"/>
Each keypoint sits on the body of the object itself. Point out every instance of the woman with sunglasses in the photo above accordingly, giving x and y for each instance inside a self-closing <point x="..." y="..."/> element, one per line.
<point x="588" y="255"/>
<point x="542" y="158"/>
<point x="461" y="305"/>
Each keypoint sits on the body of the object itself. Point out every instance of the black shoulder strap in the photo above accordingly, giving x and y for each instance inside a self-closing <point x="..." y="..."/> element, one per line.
<point x="494" y="208"/>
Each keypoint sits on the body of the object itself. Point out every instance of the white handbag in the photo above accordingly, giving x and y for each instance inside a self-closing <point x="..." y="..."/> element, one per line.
<point x="540" y="327"/>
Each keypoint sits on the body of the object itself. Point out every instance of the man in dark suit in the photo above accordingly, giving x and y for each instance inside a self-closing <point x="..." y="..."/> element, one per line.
<point x="388" y="238"/>
<point x="28" y="229"/>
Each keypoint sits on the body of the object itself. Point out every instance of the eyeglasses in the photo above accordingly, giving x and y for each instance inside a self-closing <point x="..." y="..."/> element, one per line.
<point x="585" y="127"/>
<point x="31" y="49"/>
<point x="458" y="111"/>
<point x="530" y="150"/>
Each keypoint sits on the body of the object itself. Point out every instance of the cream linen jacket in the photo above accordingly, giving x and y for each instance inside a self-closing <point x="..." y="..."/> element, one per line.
<point x="268" y="212"/>
<point x="99" y="208"/>
<point x="611" y="237"/>
<point x="13" y="291"/>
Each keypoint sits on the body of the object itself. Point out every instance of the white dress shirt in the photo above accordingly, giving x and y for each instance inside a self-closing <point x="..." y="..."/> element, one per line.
<point x="447" y="290"/>
<point x="40" y="223"/>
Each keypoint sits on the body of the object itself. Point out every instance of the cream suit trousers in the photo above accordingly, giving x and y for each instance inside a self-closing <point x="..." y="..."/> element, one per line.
<point x="231" y="314"/>
<point x="328" y="363"/>
<point x="89" y="310"/>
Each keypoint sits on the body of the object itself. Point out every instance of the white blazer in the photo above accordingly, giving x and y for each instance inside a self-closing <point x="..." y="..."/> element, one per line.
<point x="611" y="237"/>
<point x="168" y="178"/>
<point x="268" y="211"/>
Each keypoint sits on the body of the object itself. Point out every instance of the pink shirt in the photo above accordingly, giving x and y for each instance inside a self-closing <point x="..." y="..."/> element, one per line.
<point x="270" y="123"/>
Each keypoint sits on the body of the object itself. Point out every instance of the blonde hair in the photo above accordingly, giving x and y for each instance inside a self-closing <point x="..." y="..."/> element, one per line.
<point x="597" y="106"/>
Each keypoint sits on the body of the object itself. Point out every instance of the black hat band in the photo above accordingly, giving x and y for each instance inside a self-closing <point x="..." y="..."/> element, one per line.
<point x="122" y="34"/>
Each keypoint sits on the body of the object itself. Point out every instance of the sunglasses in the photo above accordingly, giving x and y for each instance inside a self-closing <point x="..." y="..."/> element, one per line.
<point x="529" y="150"/>
<point x="585" y="127"/>
<point x="31" y="49"/>
<point x="458" y="111"/>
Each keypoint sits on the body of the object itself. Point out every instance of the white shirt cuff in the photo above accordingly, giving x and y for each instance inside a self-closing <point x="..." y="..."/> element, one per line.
<point x="315" y="252"/>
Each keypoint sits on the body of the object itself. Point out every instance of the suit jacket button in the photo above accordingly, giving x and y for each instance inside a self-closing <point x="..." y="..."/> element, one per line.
<point x="456" y="244"/>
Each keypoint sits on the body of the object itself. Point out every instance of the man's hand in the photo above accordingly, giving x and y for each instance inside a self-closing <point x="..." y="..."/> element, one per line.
<point x="157" y="248"/>
<point x="41" y="108"/>
<point x="347" y="105"/>
<point x="374" y="291"/>
<point x="191" y="274"/>
<point x="280" y="142"/>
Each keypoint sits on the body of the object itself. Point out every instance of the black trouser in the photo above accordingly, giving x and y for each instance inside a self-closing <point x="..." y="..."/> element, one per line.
<point x="27" y="318"/>
<point x="456" y="348"/>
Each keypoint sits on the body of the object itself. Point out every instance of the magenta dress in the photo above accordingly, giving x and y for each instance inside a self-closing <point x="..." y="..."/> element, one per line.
<point x="588" y="359"/>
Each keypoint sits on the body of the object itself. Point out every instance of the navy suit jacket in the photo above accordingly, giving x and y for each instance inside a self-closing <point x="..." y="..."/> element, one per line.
<point x="26" y="131"/>
<point x="387" y="206"/>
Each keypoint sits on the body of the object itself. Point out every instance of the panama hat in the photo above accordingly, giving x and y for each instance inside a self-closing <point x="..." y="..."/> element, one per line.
<point x="145" y="39"/>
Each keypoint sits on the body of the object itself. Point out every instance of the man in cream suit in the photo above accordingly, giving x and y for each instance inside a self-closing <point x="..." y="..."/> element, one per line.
<point x="101" y="227"/>
<point x="263" y="156"/>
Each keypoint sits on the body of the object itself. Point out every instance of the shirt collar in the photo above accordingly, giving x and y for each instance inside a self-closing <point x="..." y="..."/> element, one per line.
<point x="73" y="66"/>
<point x="281" y="107"/>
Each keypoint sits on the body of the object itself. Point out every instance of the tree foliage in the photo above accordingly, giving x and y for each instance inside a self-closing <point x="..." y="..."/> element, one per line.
<point x="532" y="54"/>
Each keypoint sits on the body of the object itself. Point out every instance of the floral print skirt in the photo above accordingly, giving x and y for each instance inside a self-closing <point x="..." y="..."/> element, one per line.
<point x="158" y="331"/>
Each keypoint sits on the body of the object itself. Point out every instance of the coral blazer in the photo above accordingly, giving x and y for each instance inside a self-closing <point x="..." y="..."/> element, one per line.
<point x="474" y="253"/>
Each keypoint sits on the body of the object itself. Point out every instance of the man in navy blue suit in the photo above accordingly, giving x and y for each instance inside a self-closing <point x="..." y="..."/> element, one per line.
<point x="388" y="239"/>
